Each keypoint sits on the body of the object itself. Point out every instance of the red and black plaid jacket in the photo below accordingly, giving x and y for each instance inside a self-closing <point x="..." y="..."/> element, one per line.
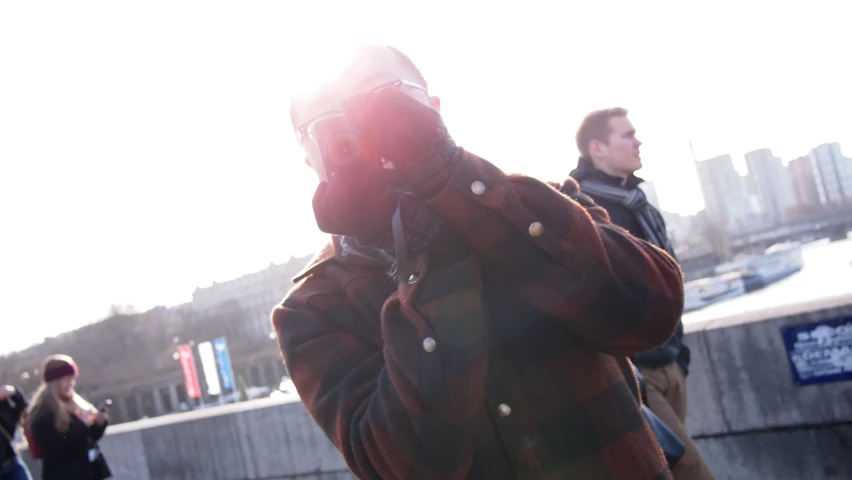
<point x="511" y="363"/>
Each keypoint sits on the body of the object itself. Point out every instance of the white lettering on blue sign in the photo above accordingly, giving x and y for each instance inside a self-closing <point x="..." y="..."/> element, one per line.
<point x="822" y="351"/>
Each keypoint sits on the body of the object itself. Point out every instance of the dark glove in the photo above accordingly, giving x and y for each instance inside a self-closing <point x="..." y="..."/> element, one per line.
<point x="409" y="134"/>
<point x="357" y="203"/>
<point x="360" y="200"/>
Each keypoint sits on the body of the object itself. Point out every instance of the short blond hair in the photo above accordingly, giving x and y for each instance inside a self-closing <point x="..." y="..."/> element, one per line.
<point x="596" y="127"/>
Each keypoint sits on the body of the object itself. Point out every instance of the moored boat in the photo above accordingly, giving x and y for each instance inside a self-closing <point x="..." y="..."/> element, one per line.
<point x="744" y="275"/>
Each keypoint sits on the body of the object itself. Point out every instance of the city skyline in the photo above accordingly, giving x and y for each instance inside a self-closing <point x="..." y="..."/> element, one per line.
<point x="769" y="188"/>
<point x="141" y="166"/>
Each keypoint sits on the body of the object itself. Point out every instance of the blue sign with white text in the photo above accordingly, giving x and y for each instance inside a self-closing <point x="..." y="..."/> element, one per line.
<point x="224" y="361"/>
<point x="820" y="352"/>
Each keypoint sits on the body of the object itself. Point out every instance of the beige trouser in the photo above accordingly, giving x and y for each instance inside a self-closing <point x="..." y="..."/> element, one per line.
<point x="666" y="388"/>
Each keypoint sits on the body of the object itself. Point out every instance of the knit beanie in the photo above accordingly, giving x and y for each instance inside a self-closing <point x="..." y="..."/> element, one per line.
<point x="58" y="366"/>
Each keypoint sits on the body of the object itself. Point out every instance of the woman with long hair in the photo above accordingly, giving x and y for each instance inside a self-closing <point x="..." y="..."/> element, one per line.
<point x="65" y="427"/>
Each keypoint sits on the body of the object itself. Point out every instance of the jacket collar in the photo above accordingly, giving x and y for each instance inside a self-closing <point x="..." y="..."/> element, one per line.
<point x="343" y="250"/>
<point x="327" y="254"/>
<point x="586" y="170"/>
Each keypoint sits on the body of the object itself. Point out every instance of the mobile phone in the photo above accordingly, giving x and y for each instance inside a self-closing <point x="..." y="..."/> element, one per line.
<point x="105" y="405"/>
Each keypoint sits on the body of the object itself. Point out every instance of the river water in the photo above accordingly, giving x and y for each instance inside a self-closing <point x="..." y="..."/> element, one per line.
<point x="827" y="272"/>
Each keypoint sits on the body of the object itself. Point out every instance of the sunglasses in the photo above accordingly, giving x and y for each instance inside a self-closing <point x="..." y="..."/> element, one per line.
<point x="308" y="132"/>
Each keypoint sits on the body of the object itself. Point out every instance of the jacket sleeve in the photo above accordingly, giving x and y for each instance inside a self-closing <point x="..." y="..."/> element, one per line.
<point x="404" y="407"/>
<point x="96" y="432"/>
<point x="618" y="293"/>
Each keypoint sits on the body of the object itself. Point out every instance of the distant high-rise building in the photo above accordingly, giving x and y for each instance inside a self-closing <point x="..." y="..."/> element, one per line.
<point x="650" y="193"/>
<point x="833" y="174"/>
<point x="804" y="180"/>
<point x="725" y="197"/>
<point x="770" y="182"/>
<point x="680" y="228"/>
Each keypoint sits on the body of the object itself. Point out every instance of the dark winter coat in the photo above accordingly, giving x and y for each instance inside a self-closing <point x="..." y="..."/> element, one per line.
<point x="11" y="410"/>
<point x="65" y="455"/>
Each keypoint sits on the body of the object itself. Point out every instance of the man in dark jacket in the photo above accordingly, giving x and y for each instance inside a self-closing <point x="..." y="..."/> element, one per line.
<point x="13" y="404"/>
<point x="609" y="157"/>
<point x="463" y="323"/>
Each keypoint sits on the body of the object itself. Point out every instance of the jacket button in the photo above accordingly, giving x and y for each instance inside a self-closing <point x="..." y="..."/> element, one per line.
<point x="536" y="229"/>
<point x="429" y="344"/>
<point x="504" y="409"/>
<point x="412" y="279"/>
<point x="477" y="187"/>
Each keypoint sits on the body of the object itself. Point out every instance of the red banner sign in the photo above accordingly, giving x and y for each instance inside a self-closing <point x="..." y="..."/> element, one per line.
<point x="190" y="375"/>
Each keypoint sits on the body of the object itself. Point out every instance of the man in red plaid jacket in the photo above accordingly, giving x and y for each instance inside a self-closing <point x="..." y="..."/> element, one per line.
<point x="462" y="322"/>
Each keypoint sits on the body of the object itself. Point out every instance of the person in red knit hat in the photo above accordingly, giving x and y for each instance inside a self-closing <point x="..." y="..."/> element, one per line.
<point x="65" y="427"/>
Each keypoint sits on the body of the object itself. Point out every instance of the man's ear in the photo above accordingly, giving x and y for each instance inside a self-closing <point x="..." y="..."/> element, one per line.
<point x="435" y="103"/>
<point x="597" y="148"/>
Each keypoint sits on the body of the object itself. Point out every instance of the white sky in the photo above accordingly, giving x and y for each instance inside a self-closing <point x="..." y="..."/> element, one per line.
<point x="145" y="147"/>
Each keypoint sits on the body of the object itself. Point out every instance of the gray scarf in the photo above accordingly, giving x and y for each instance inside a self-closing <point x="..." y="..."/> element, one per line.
<point x="414" y="226"/>
<point x="652" y="223"/>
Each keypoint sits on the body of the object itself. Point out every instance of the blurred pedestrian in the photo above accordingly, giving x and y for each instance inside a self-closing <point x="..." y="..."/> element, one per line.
<point x="13" y="407"/>
<point x="65" y="427"/>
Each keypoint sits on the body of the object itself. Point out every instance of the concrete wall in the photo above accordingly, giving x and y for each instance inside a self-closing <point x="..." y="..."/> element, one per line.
<point x="263" y="439"/>
<point x="750" y="419"/>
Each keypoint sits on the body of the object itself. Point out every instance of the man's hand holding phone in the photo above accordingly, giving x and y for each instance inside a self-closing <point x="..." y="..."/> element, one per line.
<point x="387" y="143"/>
<point x="405" y="132"/>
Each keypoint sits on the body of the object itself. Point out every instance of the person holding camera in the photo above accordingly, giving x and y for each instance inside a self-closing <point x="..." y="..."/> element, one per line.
<point x="64" y="427"/>
<point x="606" y="173"/>
<point x="462" y="322"/>
<point x="13" y="405"/>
